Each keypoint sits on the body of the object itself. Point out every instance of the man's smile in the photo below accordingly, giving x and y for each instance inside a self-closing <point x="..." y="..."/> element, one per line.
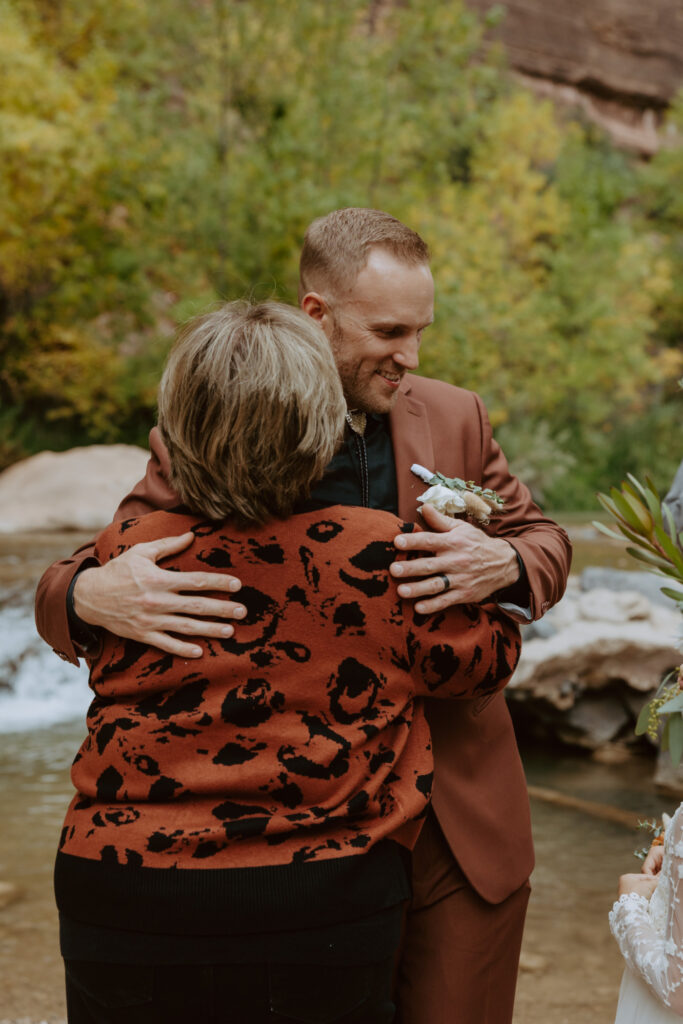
<point x="392" y="379"/>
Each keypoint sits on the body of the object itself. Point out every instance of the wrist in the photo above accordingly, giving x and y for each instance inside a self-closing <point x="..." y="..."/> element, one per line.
<point x="79" y="582"/>
<point x="516" y="592"/>
<point x="83" y="632"/>
<point x="510" y="566"/>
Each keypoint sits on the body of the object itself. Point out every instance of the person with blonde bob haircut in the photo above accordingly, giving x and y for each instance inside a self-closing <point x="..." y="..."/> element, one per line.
<point x="235" y="407"/>
<point x="237" y="847"/>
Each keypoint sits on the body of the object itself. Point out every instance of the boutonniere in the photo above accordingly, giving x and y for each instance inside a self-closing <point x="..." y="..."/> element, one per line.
<point x="455" y="497"/>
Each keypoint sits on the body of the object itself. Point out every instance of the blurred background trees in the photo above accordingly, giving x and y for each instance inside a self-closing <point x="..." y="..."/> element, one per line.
<point x="158" y="158"/>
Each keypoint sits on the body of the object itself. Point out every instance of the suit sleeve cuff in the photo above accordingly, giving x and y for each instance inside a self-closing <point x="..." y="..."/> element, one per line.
<point x="84" y="636"/>
<point x="517" y="597"/>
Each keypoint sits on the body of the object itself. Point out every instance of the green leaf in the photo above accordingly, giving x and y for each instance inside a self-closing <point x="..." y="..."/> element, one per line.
<point x="624" y="511"/>
<point x="643" y="719"/>
<point x="636" y="486"/>
<point x="664" y="738"/>
<point x="640" y="509"/>
<point x="672" y="571"/>
<point x="626" y="531"/>
<point x="654" y="560"/>
<point x="650" y="484"/>
<point x="454" y="483"/>
<point x="655" y="506"/>
<point x="670" y="548"/>
<point x="635" y="536"/>
<point x="676" y="738"/>
<point x="608" y="505"/>
<point x="650" y="497"/>
<point x="675" y="595"/>
<point x="627" y="511"/>
<point x="606" y="530"/>
<point x="675" y="704"/>
<point x="638" y="539"/>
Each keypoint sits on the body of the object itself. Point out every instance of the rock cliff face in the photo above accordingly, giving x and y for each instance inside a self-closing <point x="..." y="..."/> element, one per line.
<point x="620" y="60"/>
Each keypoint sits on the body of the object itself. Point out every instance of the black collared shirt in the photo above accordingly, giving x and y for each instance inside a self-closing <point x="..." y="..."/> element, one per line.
<point x="351" y="480"/>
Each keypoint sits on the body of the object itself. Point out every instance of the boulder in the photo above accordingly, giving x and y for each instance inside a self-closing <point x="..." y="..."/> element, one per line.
<point x="589" y="655"/>
<point x="585" y="676"/>
<point x="73" y="490"/>
<point x="649" y="584"/>
<point x="607" y="606"/>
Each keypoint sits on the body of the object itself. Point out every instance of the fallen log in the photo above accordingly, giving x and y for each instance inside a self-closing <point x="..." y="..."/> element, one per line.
<point x="629" y="819"/>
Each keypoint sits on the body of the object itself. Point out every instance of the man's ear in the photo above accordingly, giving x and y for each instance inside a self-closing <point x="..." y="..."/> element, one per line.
<point x="314" y="305"/>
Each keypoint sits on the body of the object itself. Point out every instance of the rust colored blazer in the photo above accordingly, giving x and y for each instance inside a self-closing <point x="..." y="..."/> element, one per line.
<point x="479" y="792"/>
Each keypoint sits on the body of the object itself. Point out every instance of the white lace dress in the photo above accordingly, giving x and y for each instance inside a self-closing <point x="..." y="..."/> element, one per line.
<point x="650" y="937"/>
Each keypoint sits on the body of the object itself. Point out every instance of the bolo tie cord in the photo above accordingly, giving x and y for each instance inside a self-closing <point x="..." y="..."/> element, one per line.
<point x="357" y="421"/>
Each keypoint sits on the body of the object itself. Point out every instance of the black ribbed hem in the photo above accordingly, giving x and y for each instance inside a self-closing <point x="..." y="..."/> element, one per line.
<point x="234" y="901"/>
<point x="369" y="940"/>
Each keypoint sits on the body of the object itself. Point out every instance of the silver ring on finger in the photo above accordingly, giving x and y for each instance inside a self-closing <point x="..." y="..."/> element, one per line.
<point x="446" y="582"/>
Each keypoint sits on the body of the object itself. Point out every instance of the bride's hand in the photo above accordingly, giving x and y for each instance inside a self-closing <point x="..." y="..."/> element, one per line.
<point x="643" y="885"/>
<point x="652" y="864"/>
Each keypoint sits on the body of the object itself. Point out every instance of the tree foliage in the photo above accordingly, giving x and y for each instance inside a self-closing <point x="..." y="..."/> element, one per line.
<point x="156" y="159"/>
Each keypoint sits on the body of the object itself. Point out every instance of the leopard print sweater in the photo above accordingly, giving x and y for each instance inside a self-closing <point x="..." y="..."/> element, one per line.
<point x="299" y="738"/>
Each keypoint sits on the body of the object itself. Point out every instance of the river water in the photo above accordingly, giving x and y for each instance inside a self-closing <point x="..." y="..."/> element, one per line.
<point x="570" y="965"/>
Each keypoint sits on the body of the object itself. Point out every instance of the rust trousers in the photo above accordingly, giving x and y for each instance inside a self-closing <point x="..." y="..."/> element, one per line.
<point x="460" y="954"/>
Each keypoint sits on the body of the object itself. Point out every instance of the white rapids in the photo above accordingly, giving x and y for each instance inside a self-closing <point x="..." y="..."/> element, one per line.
<point x="37" y="688"/>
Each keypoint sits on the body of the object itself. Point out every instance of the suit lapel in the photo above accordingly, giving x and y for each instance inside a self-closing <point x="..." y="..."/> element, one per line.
<point x="412" y="442"/>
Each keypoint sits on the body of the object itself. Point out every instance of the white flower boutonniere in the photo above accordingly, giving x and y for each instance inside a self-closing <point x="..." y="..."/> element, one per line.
<point x="454" y="496"/>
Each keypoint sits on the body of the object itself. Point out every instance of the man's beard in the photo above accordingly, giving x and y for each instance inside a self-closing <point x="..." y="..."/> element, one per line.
<point x="358" y="395"/>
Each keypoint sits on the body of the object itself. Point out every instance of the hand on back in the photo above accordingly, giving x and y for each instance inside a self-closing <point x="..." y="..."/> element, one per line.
<point x="134" y="598"/>
<point x="476" y="565"/>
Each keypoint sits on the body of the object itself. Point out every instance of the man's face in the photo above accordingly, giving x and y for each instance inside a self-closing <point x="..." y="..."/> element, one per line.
<point x="376" y="327"/>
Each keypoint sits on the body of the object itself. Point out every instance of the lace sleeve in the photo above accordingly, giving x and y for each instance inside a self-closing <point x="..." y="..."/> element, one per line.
<point x="650" y="935"/>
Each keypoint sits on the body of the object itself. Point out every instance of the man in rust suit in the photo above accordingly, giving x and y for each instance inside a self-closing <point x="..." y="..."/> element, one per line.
<point x="365" y="278"/>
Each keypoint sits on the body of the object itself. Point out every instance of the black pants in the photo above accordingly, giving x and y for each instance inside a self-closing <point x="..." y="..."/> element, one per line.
<point x="101" y="993"/>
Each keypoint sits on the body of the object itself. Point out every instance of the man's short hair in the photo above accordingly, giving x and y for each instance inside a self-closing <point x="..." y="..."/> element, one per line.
<point x="336" y="247"/>
<point x="251" y="410"/>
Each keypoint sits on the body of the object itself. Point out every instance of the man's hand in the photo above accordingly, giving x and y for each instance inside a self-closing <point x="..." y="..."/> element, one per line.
<point x="132" y="597"/>
<point x="476" y="565"/>
<point x="643" y="885"/>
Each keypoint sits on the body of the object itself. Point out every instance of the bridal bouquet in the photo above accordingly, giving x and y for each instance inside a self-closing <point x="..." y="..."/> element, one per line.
<point x="455" y="497"/>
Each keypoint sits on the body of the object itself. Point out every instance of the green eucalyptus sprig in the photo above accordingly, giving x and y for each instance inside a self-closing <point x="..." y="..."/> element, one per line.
<point x="492" y="499"/>
<point x="666" y="706"/>
<point x="656" y="830"/>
